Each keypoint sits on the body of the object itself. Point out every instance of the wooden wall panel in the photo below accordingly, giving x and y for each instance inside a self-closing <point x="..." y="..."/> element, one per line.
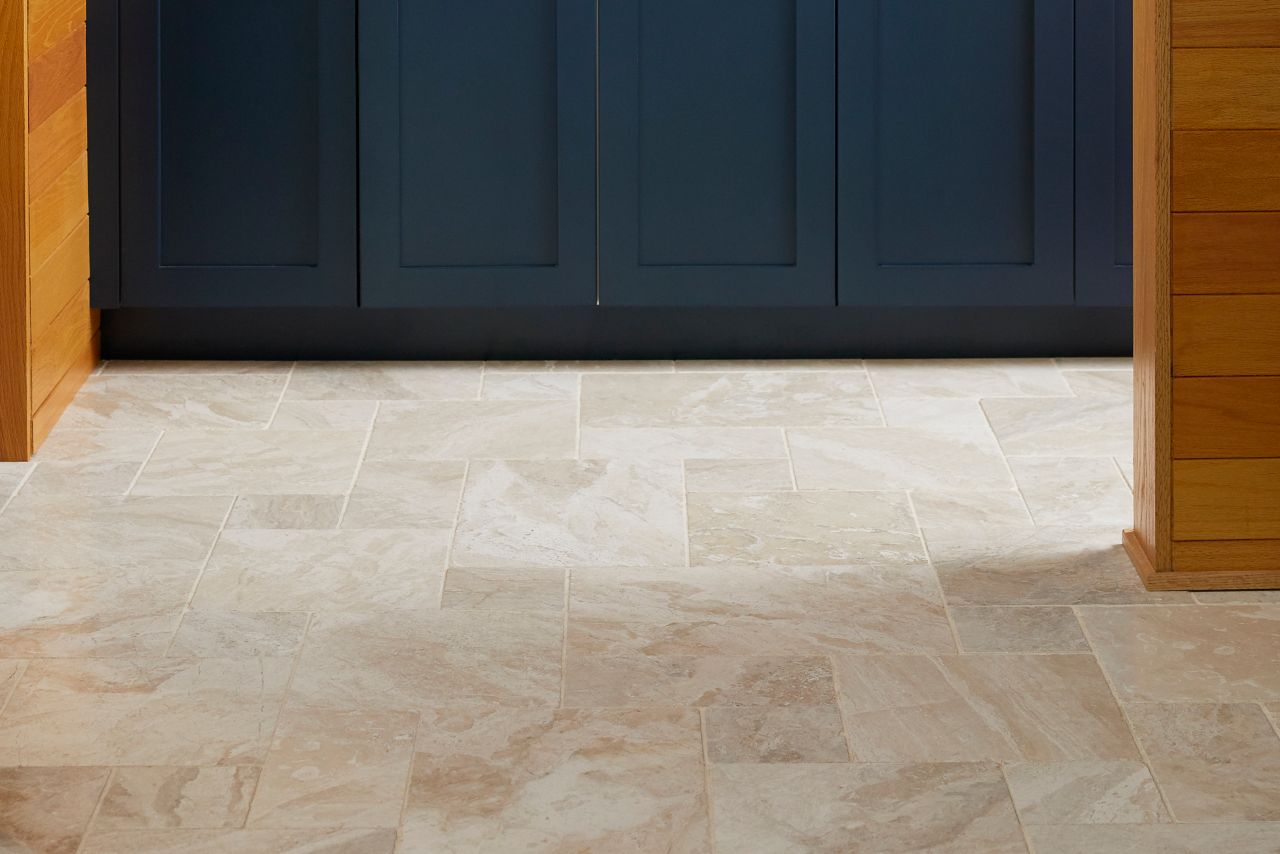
<point x="1215" y="170"/>
<point x="58" y="211"/>
<point x="59" y="345"/>
<point x="1226" y="23"/>
<point x="1226" y="336"/>
<point x="1226" y="499"/>
<point x="57" y="143"/>
<point x="1226" y="88"/>
<point x="56" y="76"/>
<point x="50" y="22"/>
<point x="60" y="278"/>
<point x="15" y="375"/>
<point x="1226" y="417"/>
<point x="1226" y="253"/>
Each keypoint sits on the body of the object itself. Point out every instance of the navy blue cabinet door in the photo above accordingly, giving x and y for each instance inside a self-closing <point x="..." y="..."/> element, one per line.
<point x="238" y="143"/>
<point x="956" y="152"/>
<point x="717" y="152"/>
<point x="1104" y="145"/>
<point x="477" y="152"/>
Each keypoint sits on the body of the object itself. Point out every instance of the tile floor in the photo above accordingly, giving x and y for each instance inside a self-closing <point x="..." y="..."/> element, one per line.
<point x="625" y="607"/>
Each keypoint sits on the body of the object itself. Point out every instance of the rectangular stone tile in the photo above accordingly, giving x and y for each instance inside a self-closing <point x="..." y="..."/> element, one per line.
<point x="1214" y="762"/>
<point x="336" y="769"/>
<point x="89" y="478"/>
<point x="967" y="512"/>
<point x="324" y="415"/>
<point x="1107" y="383"/>
<point x="384" y="381"/>
<point x="729" y="400"/>
<point x="289" y="512"/>
<point x="1090" y="792"/>
<point x="504" y="589"/>
<point x="480" y="429"/>
<point x="681" y="443"/>
<point x="1205" y="653"/>
<point x="405" y="494"/>
<point x="1095" y="363"/>
<point x="803" y="529"/>
<point x="239" y="634"/>
<point x="193" y="367"/>
<point x="264" y="462"/>
<point x="1074" y="491"/>
<point x="143" y="712"/>
<point x="605" y="366"/>
<point x="531" y="386"/>
<point x="318" y="841"/>
<point x="1125" y="464"/>
<point x="415" y="659"/>
<point x="46" y="810"/>
<point x="11" y="671"/>
<point x="961" y="416"/>
<point x="1156" y="838"/>
<point x="1238" y="597"/>
<point x="1062" y="427"/>
<point x="615" y="780"/>
<point x="725" y="366"/>
<point x="636" y="680"/>
<point x="836" y="809"/>
<point x="886" y="458"/>
<point x="961" y="708"/>
<point x="1018" y="629"/>
<point x="738" y="475"/>
<point x="97" y="446"/>
<point x="12" y="476"/>
<point x="966" y="378"/>
<point x="571" y="513"/>
<point x="323" y="570"/>
<point x="782" y="734"/>
<point x="181" y="797"/>
<point x="172" y="402"/>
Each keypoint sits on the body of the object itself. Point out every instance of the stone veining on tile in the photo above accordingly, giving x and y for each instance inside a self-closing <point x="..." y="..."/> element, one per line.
<point x="46" y="810"/>
<point x="191" y="797"/>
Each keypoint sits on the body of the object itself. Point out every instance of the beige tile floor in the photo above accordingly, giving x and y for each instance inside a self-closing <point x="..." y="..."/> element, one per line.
<point x="619" y="607"/>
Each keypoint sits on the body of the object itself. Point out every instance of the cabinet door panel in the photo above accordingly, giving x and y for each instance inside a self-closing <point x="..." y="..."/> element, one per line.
<point x="956" y="152"/>
<point x="477" y="152"/>
<point x="717" y="152"/>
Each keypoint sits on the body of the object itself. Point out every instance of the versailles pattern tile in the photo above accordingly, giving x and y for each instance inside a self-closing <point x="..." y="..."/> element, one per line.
<point x="400" y="494"/>
<point x="1018" y="629"/>
<point x="775" y="734"/>
<point x="596" y="678"/>
<point x="1062" y="427"/>
<point x="476" y="429"/>
<point x="384" y="381"/>
<point x="738" y="475"/>
<point x="1088" y="792"/>
<point x="239" y="634"/>
<point x="174" y="402"/>
<point x="885" y="458"/>
<point x="1261" y="838"/>
<point x="682" y="443"/>
<point x="47" y="810"/>
<point x="291" y="512"/>
<point x="1074" y="491"/>
<point x="183" y="796"/>
<point x="531" y="386"/>
<point x="504" y="589"/>
<point x="312" y="841"/>
<point x="324" y="415"/>
<point x="973" y="378"/>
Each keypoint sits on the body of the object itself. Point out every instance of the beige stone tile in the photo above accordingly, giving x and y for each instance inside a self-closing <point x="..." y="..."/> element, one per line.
<point x="724" y="366"/>
<point x="635" y="680"/>
<point x="54" y="479"/>
<point x="781" y="734"/>
<point x="263" y="462"/>
<point x="183" y="797"/>
<point x="97" y="446"/>
<point x="174" y="402"/>
<point x="405" y="494"/>
<point x="481" y="429"/>
<point x="504" y="589"/>
<point x="143" y="712"/>
<point x="1125" y="464"/>
<point x="1238" y="597"/>
<point x="885" y="458"/>
<point x="681" y="443"/>
<point x="330" y="768"/>
<point x="1074" y="491"/>
<point x="608" y="780"/>
<point x="962" y="708"/>
<point x="969" y="511"/>
<point x="803" y="529"/>
<point x="966" y="378"/>
<point x="571" y="513"/>
<point x="962" y="416"/>
<point x="324" y="415"/>
<point x="739" y="475"/>
<point x="46" y="810"/>
<point x="1062" y="427"/>
<point x="532" y="386"/>
<point x="756" y="610"/>
<point x="239" y="634"/>
<point x="607" y="366"/>
<point x="776" y="809"/>
<point x="319" y="841"/>
<point x="11" y="671"/>
<point x="323" y="570"/>
<point x="1156" y="838"/>
<point x="1018" y="629"/>
<point x="193" y="367"/>
<point x="728" y="400"/>
<point x="1095" y="363"/>
<point x="1106" y="383"/>
<point x="290" y="512"/>
<point x="82" y="533"/>
<point x="1090" y="792"/>
<point x="1214" y="762"/>
<point x="1207" y="653"/>
<point x="384" y="381"/>
<point x="414" y="659"/>
<point x="11" y="477"/>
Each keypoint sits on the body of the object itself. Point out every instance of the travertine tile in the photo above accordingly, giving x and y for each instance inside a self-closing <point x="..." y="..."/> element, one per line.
<point x="777" y="809"/>
<point x="97" y="446"/>
<point x="1095" y="363"/>
<point x="592" y="679"/>
<point x="482" y="429"/>
<point x="532" y="386"/>
<point x="803" y="529"/>
<point x="323" y="570"/>
<point x="193" y="367"/>
<point x="728" y="400"/>
<point x="290" y="512"/>
<point x="89" y="478"/>
<point x="571" y="513"/>
<point x="680" y="443"/>
<point x="963" y="416"/>
<point x="962" y="708"/>
<point x="174" y="402"/>
<point x="143" y="712"/>
<point x="318" y="841"/>
<point x="607" y="366"/>
<point x="46" y="810"/>
<point x="1238" y="597"/>
<point x="1074" y="491"/>
<point x="1156" y="838"/>
<point x="885" y="458"/>
<point x="324" y="415"/>
<point x="775" y="734"/>
<point x="1208" y="653"/>
<point x="330" y="768"/>
<point x="239" y="634"/>
<point x="414" y="659"/>
<point x="11" y="671"/>
<point x="616" y="780"/>
<point x="1125" y="464"/>
<point x="1105" y="383"/>
<point x="184" y="796"/>
<point x="1090" y="792"/>
<point x="1062" y="427"/>
<point x="724" y="366"/>
<point x="11" y="477"/>
<point x="1018" y="629"/>
<point x="738" y="475"/>
<point x="967" y="378"/>
<point x="384" y="381"/>
<point x="970" y="511"/>
<point x="1214" y="762"/>
<point x="405" y="494"/>
<point x="505" y="589"/>
<point x="263" y="462"/>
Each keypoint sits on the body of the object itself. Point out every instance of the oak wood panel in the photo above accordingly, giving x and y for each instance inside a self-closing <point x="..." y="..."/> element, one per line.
<point x="1226" y="335"/>
<point x="57" y="143"/>
<point x="47" y="414"/>
<point x="1226" y="253"/>
<point x="1226" y="499"/>
<point x="61" y="278"/>
<point x="55" y="76"/>
<point x="51" y="21"/>
<point x="1225" y="23"/>
<point x="15" y="422"/>
<point x="1216" y="170"/>
<point x="57" y="211"/>
<point x="1226" y="417"/>
<point x="1226" y="88"/>
<point x="56" y="349"/>
<point x="1252" y="557"/>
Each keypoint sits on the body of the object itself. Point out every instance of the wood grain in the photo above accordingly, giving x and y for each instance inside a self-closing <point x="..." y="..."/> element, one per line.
<point x="1226" y="417"/>
<point x="1226" y="23"/>
<point x="55" y="145"/>
<point x="55" y="76"/>
<point x="1226" y="335"/>
<point x="60" y="345"/>
<point x="1226" y="253"/>
<point x="1226" y="499"/>
<point x="51" y="21"/>
<point x="1215" y="170"/>
<point x="1259" y="559"/>
<point x="57" y="211"/>
<point x="1226" y="88"/>
<point x="15" y="422"/>
<point x="46" y="416"/>
<point x="61" y="278"/>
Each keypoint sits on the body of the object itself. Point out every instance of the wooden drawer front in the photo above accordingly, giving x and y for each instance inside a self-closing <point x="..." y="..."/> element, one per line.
<point x="1226" y="417"/>
<point x="1226" y="499"/>
<point x="1226" y="336"/>
<point x="1226" y="23"/>
<point x="1226" y="253"/>
<point x="1216" y="170"/>
<point x="1226" y="88"/>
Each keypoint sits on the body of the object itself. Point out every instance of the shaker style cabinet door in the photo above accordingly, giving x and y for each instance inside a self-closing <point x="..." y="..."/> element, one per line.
<point x="717" y="160"/>
<point x="956" y="152"/>
<point x="238" y="153"/>
<point x="477" y="152"/>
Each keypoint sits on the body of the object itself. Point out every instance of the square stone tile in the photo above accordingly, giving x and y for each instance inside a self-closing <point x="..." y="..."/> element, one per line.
<point x="1263" y="838"/>
<point x="239" y="634"/>
<point x="384" y="381"/>
<point x="505" y="589"/>
<point x="174" y="402"/>
<point x="781" y="734"/>
<point x="405" y="494"/>
<point x="967" y="512"/>
<point x="1074" y="491"/>
<point x="326" y="840"/>
<point x="571" y="513"/>
<point x="738" y="475"/>
<point x="1090" y="792"/>
<point x="681" y="443"/>
<point x="966" y="378"/>
<point x="886" y="458"/>
<point x="1062" y="427"/>
<point x="475" y="429"/>
<point x="47" y="810"/>
<point x="324" y="415"/>
<point x="1018" y="629"/>
<point x="183" y="796"/>
<point x="287" y="512"/>
<point x="635" y="680"/>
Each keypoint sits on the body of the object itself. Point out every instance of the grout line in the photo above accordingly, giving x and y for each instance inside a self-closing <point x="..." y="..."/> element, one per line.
<point x="288" y="378"/>
<point x="937" y="581"/>
<point x="453" y="532"/>
<point x="204" y="566"/>
<point x="97" y="808"/>
<point x="355" y="476"/>
<point x="564" y="636"/>
<point x="284" y="701"/>
<point x="844" y="723"/>
<point x="408" y="783"/>
<point x="875" y="395"/>
<point x="706" y="779"/>
<point x="577" y="436"/>
<point x="483" y="378"/>
<point x="1273" y="719"/>
<point x="138" y="474"/>
<point x="26" y="476"/>
<point x="684" y="502"/>
<point x="1017" y="814"/>
<point x="791" y="462"/>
